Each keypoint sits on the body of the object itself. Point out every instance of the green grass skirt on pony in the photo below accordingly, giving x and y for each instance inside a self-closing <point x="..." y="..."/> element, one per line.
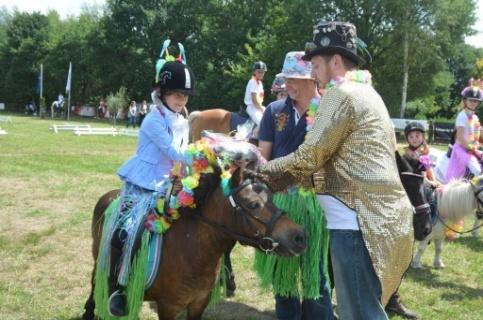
<point x="298" y="276"/>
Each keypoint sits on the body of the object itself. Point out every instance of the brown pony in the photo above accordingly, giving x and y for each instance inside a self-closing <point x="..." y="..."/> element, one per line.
<point x="193" y="246"/>
<point x="216" y="120"/>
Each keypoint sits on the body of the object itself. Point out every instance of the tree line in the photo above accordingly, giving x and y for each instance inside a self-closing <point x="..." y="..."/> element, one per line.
<point x="417" y="47"/>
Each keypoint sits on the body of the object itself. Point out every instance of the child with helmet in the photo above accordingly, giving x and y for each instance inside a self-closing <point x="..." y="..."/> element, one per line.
<point x="278" y="87"/>
<point x="465" y="153"/>
<point x="254" y="92"/>
<point x="162" y="140"/>
<point x="418" y="149"/>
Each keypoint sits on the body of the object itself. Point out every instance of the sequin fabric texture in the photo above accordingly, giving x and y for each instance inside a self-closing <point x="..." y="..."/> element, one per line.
<point x="350" y="148"/>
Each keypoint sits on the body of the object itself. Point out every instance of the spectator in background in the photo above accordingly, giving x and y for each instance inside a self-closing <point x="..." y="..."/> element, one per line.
<point x="131" y="115"/>
<point x="278" y="87"/>
<point x="102" y="108"/>
<point x="143" y="111"/>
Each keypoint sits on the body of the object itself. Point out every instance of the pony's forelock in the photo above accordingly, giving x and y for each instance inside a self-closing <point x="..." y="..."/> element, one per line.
<point x="457" y="200"/>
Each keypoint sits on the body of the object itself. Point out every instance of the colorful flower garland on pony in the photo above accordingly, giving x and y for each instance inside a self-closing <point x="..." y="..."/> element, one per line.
<point x="204" y="160"/>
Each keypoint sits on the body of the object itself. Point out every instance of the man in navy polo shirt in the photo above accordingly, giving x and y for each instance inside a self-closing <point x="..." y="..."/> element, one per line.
<point x="282" y="129"/>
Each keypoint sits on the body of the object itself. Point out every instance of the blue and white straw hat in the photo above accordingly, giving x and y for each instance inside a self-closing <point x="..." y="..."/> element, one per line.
<point x="295" y="67"/>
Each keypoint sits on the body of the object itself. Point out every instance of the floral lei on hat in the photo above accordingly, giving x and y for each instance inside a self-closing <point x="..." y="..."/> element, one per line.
<point x="204" y="160"/>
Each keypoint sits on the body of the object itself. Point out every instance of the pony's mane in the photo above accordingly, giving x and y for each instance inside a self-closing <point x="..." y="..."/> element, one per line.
<point x="208" y="183"/>
<point x="402" y="163"/>
<point x="456" y="200"/>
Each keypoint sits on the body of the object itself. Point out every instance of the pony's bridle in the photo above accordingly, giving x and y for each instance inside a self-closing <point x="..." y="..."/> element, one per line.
<point x="424" y="208"/>
<point x="264" y="241"/>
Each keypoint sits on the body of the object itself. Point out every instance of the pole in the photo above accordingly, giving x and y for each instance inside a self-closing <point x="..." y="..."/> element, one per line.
<point x="68" y="107"/>
<point x="68" y="88"/>
<point x="41" y="88"/>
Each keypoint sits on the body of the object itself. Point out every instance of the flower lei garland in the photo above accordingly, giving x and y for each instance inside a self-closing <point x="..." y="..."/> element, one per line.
<point x="473" y="127"/>
<point x="358" y="76"/>
<point x="425" y="162"/>
<point x="312" y="109"/>
<point x="204" y="160"/>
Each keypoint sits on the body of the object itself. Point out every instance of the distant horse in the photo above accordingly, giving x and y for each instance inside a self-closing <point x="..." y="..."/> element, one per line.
<point x="216" y="120"/>
<point x="194" y="244"/>
<point x="453" y="202"/>
<point x="57" y="107"/>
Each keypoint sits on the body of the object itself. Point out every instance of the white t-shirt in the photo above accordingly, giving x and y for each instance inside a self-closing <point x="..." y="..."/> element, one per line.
<point x="253" y="86"/>
<point x="461" y="121"/>
<point x="338" y="215"/>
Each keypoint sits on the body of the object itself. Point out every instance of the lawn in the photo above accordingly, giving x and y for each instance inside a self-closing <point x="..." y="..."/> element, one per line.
<point x="49" y="184"/>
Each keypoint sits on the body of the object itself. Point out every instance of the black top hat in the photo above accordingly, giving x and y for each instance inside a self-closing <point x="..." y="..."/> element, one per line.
<point x="334" y="37"/>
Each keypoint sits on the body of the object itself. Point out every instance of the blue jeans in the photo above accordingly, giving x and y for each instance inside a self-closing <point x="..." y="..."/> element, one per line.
<point x="131" y="121"/>
<point x="357" y="287"/>
<point x="310" y="309"/>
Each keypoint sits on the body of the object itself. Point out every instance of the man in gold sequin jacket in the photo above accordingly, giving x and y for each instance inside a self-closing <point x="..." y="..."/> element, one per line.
<point x="349" y="152"/>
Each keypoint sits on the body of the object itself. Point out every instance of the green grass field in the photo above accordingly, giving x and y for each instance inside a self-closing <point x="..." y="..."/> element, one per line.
<point x="49" y="184"/>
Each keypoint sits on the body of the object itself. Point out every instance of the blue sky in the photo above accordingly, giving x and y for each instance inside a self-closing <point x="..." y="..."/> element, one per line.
<point x="73" y="7"/>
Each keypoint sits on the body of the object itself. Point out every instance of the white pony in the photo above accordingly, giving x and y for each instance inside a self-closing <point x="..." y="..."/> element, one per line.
<point x="441" y="159"/>
<point x="458" y="199"/>
<point x="57" y="107"/>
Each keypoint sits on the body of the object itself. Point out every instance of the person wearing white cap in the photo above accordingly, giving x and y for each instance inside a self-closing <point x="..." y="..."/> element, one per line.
<point x="282" y="130"/>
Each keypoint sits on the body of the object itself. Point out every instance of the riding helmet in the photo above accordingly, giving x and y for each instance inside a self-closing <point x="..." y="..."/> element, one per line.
<point x="175" y="75"/>
<point x="278" y="84"/>
<point x="414" y="126"/>
<point x="473" y="90"/>
<point x="259" y="65"/>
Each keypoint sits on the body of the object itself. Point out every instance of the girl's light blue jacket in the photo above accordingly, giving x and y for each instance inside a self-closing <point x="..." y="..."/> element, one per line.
<point x="155" y="154"/>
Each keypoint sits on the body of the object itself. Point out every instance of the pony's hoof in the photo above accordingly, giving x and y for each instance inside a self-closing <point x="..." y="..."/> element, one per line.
<point x="88" y="316"/>
<point x="416" y="265"/>
<point x="439" y="265"/>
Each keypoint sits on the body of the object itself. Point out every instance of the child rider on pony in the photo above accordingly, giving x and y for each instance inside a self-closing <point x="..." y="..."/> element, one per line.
<point x="159" y="147"/>
<point x="465" y="153"/>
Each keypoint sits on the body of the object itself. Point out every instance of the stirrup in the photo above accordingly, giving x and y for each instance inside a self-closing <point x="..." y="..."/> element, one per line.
<point x="117" y="304"/>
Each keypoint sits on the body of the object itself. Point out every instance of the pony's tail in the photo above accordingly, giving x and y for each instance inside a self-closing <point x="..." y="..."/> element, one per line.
<point x="191" y="118"/>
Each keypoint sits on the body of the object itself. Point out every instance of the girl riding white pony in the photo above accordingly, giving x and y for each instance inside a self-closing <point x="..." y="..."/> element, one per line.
<point x="465" y="153"/>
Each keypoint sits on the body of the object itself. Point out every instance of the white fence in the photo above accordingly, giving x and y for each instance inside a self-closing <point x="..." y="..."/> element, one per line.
<point x="5" y="119"/>
<point x="96" y="131"/>
<point x="129" y="132"/>
<point x="85" y="129"/>
<point x="68" y="127"/>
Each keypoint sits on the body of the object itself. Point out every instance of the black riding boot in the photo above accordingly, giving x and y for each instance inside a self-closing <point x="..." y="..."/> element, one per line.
<point x="396" y="306"/>
<point x="117" y="298"/>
